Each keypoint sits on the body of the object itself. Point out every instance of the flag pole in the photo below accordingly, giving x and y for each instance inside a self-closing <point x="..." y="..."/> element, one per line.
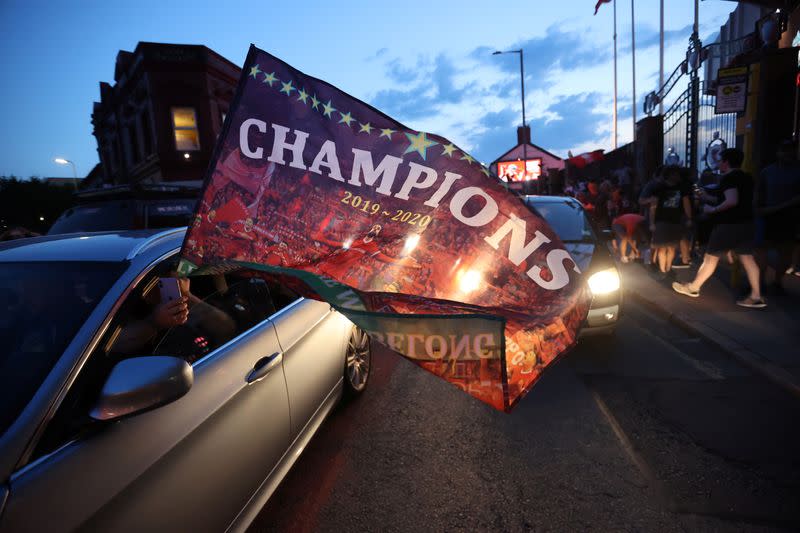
<point x="633" y="54"/>
<point x="661" y="59"/>
<point x="615" y="74"/>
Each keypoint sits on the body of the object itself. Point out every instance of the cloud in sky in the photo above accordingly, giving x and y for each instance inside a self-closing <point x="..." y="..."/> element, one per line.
<point x="568" y="89"/>
<point x="427" y="64"/>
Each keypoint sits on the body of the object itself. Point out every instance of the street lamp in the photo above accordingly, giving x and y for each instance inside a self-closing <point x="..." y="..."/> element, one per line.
<point x="524" y="126"/>
<point x="62" y="161"/>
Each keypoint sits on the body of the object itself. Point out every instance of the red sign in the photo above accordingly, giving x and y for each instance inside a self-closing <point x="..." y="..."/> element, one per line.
<point x="512" y="170"/>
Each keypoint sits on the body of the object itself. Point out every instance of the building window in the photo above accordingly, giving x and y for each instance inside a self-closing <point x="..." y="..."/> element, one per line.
<point x="184" y="123"/>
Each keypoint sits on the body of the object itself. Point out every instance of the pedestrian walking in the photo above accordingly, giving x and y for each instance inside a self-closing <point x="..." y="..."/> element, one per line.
<point x="733" y="230"/>
<point x="670" y="201"/>
<point x="777" y="201"/>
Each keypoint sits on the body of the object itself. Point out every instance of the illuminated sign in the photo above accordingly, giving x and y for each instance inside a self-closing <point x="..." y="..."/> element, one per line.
<point x="512" y="170"/>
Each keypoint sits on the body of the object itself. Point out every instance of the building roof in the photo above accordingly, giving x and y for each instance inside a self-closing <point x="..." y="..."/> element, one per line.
<point x="530" y="150"/>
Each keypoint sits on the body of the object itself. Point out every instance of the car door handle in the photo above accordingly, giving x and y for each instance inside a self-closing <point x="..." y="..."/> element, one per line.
<point x="264" y="366"/>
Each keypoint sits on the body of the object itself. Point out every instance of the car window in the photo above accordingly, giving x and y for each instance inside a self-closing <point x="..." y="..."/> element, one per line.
<point x="42" y="306"/>
<point x="567" y="219"/>
<point x="235" y="305"/>
<point x="96" y="217"/>
<point x="223" y="307"/>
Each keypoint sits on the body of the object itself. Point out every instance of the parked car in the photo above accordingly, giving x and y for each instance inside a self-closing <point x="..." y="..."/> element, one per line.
<point x="110" y="424"/>
<point x="589" y="248"/>
<point x="126" y="207"/>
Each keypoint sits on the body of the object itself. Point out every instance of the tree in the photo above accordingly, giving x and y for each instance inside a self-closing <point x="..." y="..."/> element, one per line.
<point x="33" y="203"/>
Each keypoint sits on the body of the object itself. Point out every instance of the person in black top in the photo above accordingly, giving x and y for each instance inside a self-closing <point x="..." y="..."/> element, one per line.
<point x="670" y="201"/>
<point x="733" y="230"/>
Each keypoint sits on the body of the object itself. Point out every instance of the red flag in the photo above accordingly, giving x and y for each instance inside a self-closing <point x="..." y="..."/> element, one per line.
<point x="600" y="3"/>
<point x="584" y="159"/>
<point x="402" y="232"/>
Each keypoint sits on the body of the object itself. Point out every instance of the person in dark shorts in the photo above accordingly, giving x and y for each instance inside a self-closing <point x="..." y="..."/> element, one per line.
<point x="733" y="230"/>
<point x="669" y="202"/>
<point x="777" y="201"/>
<point x="630" y="231"/>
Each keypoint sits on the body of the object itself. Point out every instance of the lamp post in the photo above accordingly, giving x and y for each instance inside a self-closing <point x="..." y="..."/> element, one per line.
<point x="524" y="127"/>
<point x="62" y="161"/>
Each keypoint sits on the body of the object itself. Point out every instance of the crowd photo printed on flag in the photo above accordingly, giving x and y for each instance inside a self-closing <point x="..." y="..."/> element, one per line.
<point x="401" y="231"/>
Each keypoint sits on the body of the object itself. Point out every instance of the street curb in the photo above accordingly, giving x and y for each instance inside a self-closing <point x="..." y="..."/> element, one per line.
<point x="747" y="357"/>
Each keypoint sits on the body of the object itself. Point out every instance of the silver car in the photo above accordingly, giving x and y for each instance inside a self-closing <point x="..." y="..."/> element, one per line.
<point x="110" y="423"/>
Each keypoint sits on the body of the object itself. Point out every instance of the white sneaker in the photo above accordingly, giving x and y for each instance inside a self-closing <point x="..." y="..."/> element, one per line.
<point x="683" y="288"/>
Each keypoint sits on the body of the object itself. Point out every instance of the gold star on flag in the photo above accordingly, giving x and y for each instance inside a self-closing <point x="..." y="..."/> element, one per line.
<point x="468" y="158"/>
<point x="327" y="109"/>
<point x="302" y="96"/>
<point x="386" y="132"/>
<point x="365" y="128"/>
<point x="270" y="78"/>
<point x="254" y="71"/>
<point x="448" y="150"/>
<point x="314" y="102"/>
<point x="346" y="118"/>
<point x="419" y="143"/>
<point x="287" y="88"/>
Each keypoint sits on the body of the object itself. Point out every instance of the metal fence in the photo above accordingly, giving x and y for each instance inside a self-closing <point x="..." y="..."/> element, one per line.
<point x="711" y="126"/>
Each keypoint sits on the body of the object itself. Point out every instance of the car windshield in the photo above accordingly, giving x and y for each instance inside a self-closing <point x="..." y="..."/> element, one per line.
<point x="42" y="306"/>
<point x="100" y="217"/>
<point x="566" y="218"/>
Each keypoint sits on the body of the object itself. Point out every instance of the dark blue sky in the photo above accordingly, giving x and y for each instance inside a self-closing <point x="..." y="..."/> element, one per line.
<point x="427" y="64"/>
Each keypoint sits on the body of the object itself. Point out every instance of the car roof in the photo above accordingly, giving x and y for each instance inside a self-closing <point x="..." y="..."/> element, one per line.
<point x="90" y="246"/>
<point x="541" y="199"/>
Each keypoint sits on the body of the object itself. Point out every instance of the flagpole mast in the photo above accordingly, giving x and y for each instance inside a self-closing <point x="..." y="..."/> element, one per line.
<point x="661" y="59"/>
<point x="633" y="53"/>
<point x="615" y="74"/>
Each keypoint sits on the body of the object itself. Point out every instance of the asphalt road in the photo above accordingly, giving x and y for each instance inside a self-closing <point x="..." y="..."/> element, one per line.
<point x="653" y="431"/>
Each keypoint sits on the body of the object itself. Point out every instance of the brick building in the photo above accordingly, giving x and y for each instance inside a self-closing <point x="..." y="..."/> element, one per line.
<point x="159" y="121"/>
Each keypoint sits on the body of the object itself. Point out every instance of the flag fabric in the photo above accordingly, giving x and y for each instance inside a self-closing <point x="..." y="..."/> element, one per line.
<point x="580" y="161"/>
<point x="600" y="3"/>
<point x="403" y="232"/>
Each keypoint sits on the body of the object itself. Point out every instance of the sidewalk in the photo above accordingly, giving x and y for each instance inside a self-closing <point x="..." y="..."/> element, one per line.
<point x="766" y="340"/>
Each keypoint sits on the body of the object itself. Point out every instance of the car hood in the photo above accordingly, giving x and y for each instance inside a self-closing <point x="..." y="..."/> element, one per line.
<point x="581" y="253"/>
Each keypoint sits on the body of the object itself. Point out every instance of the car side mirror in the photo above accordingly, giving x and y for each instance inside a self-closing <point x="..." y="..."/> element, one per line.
<point x="142" y="383"/>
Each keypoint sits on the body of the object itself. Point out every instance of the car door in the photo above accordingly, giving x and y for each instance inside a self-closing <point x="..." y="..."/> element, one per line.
<point x="313" y="338"/>
<point x="191" y="465"/>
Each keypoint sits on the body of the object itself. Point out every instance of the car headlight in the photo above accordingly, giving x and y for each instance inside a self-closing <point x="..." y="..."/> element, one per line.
<point x="604" y="282"/>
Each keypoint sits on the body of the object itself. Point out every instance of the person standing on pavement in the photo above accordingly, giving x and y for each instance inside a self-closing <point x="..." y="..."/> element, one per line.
<point x="777" y="202"/>
<point x="668" y="203"/>
<point x="733" y="230"/>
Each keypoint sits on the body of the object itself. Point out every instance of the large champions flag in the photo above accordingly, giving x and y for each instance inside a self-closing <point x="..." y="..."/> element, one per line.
<point x="400" y="230"/>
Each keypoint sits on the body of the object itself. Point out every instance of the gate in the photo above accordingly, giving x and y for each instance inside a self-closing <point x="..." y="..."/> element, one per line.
<point x="693" y="133"/>
<point x="712" y="130"/>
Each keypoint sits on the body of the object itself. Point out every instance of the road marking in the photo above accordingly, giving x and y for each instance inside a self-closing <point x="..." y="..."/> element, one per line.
<point x="705" y="368"/>
<point x="644" y="469"/>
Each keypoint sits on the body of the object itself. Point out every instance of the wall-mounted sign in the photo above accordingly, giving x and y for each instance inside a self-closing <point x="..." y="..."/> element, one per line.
<point x="731" y="90"/>
<point x="511" y="171"/>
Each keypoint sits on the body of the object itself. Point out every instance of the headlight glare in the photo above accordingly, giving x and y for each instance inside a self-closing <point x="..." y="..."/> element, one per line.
<point x="604" y="282"/>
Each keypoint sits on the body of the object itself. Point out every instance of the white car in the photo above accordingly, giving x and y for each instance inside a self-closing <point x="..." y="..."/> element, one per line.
<point x="109" y="424"/>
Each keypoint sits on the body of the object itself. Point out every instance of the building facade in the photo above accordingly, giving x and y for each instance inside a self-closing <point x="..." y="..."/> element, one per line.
<point x="159" y="121"/>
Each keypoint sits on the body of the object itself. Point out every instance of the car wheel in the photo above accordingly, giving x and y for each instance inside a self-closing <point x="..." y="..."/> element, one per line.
<point x="358" y="362"/>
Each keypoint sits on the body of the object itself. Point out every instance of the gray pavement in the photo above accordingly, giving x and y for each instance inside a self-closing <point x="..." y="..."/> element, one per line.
<point x="767" y="339"/>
